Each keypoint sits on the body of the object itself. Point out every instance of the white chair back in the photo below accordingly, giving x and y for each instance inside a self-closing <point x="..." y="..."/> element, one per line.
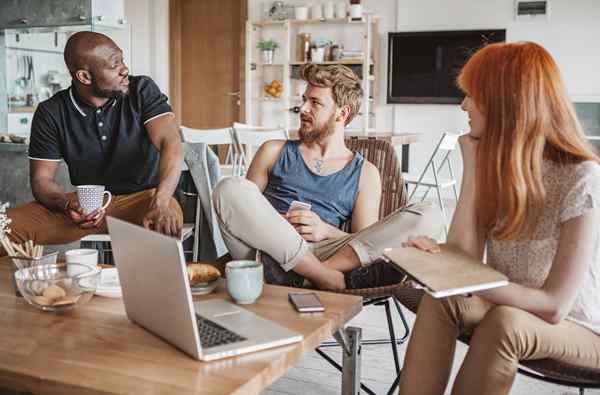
<point x="235" y="161"/>
<point x="256" y="136"/>
<point x="248" y="136"/>
<point x="207" y="136"/>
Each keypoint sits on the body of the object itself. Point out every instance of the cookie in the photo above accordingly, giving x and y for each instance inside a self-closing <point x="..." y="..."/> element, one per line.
<point x="54" y="292"/>
<point x="202" y="273"/>
<point x="66" y="301"/>
<point x="42" y="301"/>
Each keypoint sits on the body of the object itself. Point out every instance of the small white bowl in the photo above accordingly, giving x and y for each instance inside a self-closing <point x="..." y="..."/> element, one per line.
<point x="205" y="288"/>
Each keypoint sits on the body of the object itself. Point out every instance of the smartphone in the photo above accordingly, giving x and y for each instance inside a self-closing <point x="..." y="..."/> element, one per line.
<point x="306" y="302"/>
<point x="296" y="205"/>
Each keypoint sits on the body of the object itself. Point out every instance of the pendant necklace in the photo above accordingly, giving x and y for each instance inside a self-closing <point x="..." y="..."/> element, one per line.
<point x="319" y="165"/>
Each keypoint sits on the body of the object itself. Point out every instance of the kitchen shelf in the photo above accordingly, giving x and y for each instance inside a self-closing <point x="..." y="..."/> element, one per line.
<point x="341" y="61"/>
<point x="321" y="21"/>
<point x="359" y="36"/>
<point x="21" y="109"/>
<point x="265" y="98"/>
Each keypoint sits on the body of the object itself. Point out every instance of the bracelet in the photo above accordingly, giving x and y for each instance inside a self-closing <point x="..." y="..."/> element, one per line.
<point x="67" y="204"/>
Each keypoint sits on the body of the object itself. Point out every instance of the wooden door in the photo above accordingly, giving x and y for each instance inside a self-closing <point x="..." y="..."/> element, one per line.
<point x="207" y="48"/>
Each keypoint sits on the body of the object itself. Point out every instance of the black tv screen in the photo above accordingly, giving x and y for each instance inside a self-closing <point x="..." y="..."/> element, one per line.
<point x="423" y="66"/>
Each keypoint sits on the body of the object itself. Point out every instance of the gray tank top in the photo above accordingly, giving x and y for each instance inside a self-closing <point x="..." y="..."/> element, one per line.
<point x="332" y="197"/>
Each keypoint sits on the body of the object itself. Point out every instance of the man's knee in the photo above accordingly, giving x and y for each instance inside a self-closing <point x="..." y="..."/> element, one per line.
<point x="21" y="219"/>
<point x="230" y="193"/>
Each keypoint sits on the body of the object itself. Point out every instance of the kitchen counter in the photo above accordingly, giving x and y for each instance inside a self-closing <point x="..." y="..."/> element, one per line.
<point x="13" y="147"/>
<point x="14" y="174"/>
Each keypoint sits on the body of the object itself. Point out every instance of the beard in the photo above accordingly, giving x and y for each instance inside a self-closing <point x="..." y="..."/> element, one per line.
<point x="107" y="93"/>
<point x="317" y="133"/>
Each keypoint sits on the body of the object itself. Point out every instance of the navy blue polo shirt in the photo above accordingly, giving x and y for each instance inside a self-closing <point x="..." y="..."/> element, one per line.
<point x="106" y="145"/>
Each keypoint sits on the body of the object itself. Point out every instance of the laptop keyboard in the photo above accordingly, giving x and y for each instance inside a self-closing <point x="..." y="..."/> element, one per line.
<point x="213" y="334"/>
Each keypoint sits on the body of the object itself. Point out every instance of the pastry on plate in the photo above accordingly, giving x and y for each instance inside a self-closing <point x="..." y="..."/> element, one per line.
<point x="202" y="273"/>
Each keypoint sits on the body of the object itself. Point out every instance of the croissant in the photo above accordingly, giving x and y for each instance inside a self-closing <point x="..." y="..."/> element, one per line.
<point x="202" y="273"/>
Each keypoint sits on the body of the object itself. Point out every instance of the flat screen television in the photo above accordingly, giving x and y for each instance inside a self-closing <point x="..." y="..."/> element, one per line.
<point x="423" y="66"/>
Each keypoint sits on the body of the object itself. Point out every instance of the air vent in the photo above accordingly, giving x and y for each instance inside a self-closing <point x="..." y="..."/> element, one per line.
<point x="531" y="10"/>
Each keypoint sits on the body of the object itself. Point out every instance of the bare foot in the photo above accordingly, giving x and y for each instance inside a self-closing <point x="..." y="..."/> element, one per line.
<point x="334" y="281"/>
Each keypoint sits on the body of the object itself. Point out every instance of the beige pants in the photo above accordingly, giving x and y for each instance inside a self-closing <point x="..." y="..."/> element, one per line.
<point x="32" y="221"/>
<point x="502" y="336"/>
<point x="249" y="222"/>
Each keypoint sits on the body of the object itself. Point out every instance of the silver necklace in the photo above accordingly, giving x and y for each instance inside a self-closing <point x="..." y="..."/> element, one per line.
<point x="319" y="162"/>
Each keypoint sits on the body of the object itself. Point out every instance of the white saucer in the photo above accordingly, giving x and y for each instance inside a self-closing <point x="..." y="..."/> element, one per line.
<point x="205" y="288"/>
<point x="109" y="285"/>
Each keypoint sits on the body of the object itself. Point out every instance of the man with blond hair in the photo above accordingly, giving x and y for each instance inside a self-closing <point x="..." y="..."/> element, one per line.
<point x="306" y="247"/>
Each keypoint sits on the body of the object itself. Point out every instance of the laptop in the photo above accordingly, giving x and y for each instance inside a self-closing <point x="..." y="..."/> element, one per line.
<point x="157" y="296"/>
<point x="450" y="272"/>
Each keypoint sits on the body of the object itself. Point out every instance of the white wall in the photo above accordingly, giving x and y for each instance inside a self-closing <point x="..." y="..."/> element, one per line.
<point x="572" y="35"/>
<point x="149" y="20"/>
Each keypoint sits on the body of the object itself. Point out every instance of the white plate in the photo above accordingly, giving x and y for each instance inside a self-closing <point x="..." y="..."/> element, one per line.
<point x="206" y="288"/>
<point x="109" y="285"/>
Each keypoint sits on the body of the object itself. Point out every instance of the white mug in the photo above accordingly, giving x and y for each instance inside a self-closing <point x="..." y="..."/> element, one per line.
<point x="316" y="11"/>
<point x="244" y="280"/>
<point x="356" y="11"/>
<point x="340" y="10"/>
<point x="328" y="10"/>
<point x="83" y="256"/>
<point x="301" y="12"/>
<point x="317" y="55"/>
<point x="91" y="196"/>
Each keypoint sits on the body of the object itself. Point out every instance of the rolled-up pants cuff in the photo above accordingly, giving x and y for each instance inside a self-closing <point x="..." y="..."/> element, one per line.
<point x="290" y="262"/>
<point x="391" y="232"/>
<point x="363" y="252"/>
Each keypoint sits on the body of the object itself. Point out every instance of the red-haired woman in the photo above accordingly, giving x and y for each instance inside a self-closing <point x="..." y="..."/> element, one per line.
<point x="530" y="197"/>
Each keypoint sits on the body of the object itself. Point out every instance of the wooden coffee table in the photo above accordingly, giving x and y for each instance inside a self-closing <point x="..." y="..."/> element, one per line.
<point x="95" y="349"/>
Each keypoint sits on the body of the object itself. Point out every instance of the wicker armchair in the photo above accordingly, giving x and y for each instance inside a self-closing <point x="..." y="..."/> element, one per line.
<point x="382" y="154"/>
<point x="548" y="370"/>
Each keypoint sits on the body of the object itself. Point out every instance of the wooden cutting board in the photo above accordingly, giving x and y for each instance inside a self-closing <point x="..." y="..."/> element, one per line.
<point x="450" y="272"/>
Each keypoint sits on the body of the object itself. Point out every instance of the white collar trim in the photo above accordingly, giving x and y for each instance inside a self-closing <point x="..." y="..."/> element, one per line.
<point x="74" y="103"/>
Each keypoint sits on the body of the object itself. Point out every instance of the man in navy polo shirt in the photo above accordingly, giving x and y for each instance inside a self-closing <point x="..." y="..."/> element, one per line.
<point x="111" y="129"/>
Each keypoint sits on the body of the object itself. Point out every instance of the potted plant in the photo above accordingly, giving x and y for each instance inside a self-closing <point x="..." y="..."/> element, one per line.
<point x="268" y="49"/>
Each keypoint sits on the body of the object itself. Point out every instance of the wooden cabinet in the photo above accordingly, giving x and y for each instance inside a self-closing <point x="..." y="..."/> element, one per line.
<point x="356" y="37"/>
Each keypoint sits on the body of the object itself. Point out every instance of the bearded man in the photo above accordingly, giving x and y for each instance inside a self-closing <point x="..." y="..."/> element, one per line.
<point x="111" y="129"/>
<point x="307" y="247"/>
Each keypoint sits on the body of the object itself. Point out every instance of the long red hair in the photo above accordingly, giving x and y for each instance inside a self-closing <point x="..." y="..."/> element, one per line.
<point x="529" y="117"/>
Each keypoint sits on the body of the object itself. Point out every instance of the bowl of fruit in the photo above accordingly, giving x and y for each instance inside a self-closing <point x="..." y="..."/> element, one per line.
<point x="274" y="89"/>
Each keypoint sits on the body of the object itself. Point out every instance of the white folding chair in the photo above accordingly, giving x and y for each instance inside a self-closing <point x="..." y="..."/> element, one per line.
<point x="246" y="137"/>
<point x="222" y="136"/>
<point x="439" y="158"/>
<point x="234" y="162"/>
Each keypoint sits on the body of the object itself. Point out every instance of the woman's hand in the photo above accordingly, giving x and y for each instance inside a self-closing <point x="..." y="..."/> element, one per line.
<point x="423" y="243"/>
